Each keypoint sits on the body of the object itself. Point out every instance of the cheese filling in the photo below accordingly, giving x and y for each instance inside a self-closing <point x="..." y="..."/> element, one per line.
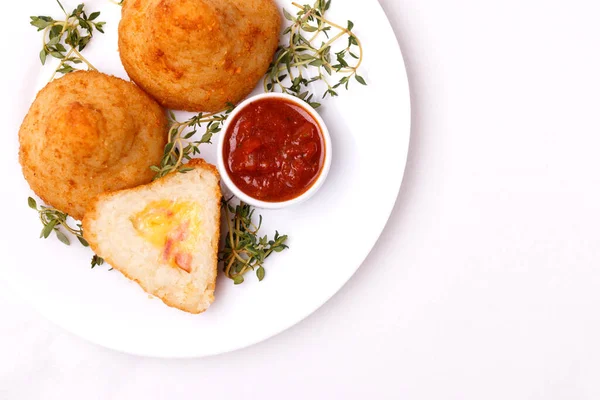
<point x="171" y="227"/>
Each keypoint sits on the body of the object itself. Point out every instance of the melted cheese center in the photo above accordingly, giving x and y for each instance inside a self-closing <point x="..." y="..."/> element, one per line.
<point x="171" y="227"/>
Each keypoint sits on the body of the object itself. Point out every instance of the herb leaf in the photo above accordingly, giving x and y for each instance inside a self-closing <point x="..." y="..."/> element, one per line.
<point x="260" y="273"/>
<point x="179" y="149"/>
<point x="244" y="249"/>
<point x="56" y="221"/>
<point x="309" y="47"/>
<point x="74" y="32"/>
<point x="97" y="261"/>
<point x="63" y="238"/>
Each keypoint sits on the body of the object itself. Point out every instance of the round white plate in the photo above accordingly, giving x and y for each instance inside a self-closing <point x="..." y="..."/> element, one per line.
<point x="330" y="235"/>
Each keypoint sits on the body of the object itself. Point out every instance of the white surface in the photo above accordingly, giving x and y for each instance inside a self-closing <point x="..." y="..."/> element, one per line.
<point x="485" y="282"/>
<point x="95" y="304"/>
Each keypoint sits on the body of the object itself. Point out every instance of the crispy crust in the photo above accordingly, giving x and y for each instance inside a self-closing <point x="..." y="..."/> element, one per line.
<point x="92" y="214"/>
<point x="198" y="55"/>
<point x="87" y="133"/>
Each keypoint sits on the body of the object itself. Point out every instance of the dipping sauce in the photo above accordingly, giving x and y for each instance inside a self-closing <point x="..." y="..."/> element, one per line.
<point x="274" y="150"/>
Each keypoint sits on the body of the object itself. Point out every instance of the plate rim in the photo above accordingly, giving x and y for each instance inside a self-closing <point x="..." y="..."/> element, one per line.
<point x="157" y="352"/>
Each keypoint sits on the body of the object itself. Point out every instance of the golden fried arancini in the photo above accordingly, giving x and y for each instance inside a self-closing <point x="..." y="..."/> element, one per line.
<point x="88" y="133"/>
<point x="198" y="55"/>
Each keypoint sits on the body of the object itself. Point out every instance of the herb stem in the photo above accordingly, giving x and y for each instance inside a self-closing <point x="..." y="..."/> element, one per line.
<point x="344" y="31"/>
<point x="300" y="53"/>
<point x="64" y="40"/>
<point x="62" y="62"/>
<point x="45" y="33"/>
<point x="55" y="221"/>
<point x="90" y="66"/>
<point x="178" y="150"/>
<point x="231" y="240"/>
<point x="244" y="249"/>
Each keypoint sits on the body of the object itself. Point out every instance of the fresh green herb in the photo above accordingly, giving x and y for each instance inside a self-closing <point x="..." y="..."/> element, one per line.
<point x="307" y="52"/>
<point x="244" y="249"/>
<point x="74" y="33"/>
<point x="180" y="148"/>
<point x="56" y="222"/>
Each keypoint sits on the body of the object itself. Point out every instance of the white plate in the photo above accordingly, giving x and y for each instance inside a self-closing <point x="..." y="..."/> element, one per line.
<point x="331" y="234"/>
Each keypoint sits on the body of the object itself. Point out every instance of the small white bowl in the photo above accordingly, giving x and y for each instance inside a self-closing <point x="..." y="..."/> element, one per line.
<point x="266" y="204"/>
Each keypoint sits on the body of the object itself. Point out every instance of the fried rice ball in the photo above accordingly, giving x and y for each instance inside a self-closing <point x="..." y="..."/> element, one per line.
<point x="198" y="55"/>
<point x="88" y="133"/>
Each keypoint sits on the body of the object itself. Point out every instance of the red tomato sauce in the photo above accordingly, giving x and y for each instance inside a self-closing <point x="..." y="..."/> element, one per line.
<point x="274" y="150"/>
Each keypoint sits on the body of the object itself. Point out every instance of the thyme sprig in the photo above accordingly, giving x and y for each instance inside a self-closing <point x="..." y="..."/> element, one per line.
<point x="180" y="148"/>
<point x="57" y="222"/>
<point x="244" y="249"/>
<point x="308" y="55"/>
<point x="65" y="39"/>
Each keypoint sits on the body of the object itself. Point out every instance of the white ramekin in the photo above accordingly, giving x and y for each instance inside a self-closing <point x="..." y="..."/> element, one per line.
<point x="226" y="179"/>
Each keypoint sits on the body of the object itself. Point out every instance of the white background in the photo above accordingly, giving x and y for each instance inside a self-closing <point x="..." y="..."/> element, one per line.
<point x="486" y="282"/>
